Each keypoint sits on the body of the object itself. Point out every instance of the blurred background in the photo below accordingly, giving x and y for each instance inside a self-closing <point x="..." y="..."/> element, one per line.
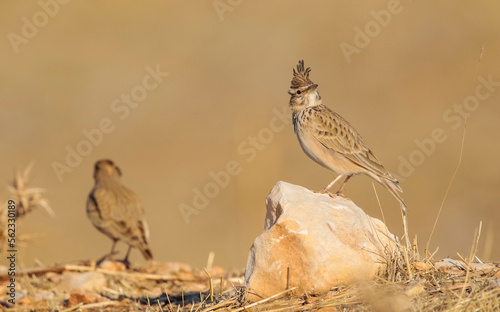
<point x="394" y="74"/>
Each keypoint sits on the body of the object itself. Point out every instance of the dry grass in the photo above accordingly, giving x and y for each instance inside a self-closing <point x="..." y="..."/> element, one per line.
<point x="428" y="285"/>
<point x="26" y="199"/>
<point x="445" y="285"/>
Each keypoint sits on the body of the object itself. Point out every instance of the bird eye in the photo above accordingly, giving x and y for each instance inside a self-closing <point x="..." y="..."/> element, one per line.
<point x="298" y="92"/>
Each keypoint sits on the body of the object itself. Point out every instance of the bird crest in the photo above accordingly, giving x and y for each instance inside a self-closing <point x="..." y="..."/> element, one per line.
<point x="301" y="76"/>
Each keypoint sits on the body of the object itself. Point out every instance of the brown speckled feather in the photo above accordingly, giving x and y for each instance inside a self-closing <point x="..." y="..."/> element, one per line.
<point x="335" y="133"/>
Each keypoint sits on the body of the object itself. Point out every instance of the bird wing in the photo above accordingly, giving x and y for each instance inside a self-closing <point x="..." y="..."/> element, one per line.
<point x="132" y="210"/>
<point x="120" y="214"/>
<point x="135" y="212"/>
<point x="135" y="225"/>
<point x="101" y="210"/>
<point x="336" y="134"/>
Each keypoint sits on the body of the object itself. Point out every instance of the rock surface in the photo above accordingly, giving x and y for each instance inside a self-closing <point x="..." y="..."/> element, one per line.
<point x="83" y="281"/>
<point x="448" y="265"/>
<point x="323" y="241"/>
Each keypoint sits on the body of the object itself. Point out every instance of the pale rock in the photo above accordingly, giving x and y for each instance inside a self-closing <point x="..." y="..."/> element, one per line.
<point x="415" y="287"/>
<point x="422" y="266"/>
<point x="168" y="268"/>
<point x="84" y="281"/>
<point x="115" y="266"/>
<point x="494" y="282"/>
<point x="483" y="267"/>
<point x="325" y="241"/>
<point x="83" y="297"/>
<point x="447" y="264"/>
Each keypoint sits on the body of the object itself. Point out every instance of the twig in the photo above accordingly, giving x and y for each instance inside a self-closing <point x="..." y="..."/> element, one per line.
<point x="220" y="304"/>
<point x="79" y="268"/>
<point x="211" y="286"/>
<point x="489" y="240"/>
<point x="415" y="243"/>
<point x="35" y="271"/>
<point x="378" y="201"/>
<point x="221" y="286"/>
<point x="467" y="266"/>
<point x="434" y="253"/>
<point x="90" y="306"/>
<point x="476" y="243"/>
<point x="75" y="307"/>
<point x="477" y="66"/>
<point x="287" y="277"/>
<point x="171" y="308"/>
<point x="264" y="300"/>
<point x="210" y="260"/>
<point x="406" y="249"/>
<point x="473" y="251"/>
<point x="447" y="191"/>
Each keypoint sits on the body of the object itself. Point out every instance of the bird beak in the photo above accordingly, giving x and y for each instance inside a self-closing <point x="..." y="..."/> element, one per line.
<point x="312" y="87"/>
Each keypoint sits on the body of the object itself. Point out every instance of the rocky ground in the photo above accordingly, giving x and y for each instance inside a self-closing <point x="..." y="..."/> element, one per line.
<point x="347" y="262"/>
<point x="445" y="285"/>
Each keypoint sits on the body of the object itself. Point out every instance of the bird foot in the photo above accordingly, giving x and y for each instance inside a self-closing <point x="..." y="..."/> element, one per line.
<point x="125" y="262"/>
<point x="106" y="257"/>
<point x="340" y="194"/>
<point x="325" y="191"/>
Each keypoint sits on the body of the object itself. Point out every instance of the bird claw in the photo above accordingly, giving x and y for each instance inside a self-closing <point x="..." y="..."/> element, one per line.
<point x="101" y="260"/>
<point x="125" y="262"/>
<point x="340" y="194"/>
<point x="106" y="257"/>
<point x="325" y="191"/>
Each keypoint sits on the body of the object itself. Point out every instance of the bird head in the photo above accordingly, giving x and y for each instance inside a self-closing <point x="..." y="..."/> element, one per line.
<point x="106" y="168"/>
<point x="303" y="91"/>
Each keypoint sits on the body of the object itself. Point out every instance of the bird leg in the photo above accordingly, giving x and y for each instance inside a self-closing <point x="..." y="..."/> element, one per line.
<point x="332" y="183"/>
<point x="125" y="260"/>
<point x="326" y="189"/>
<point x="341" y="189"/>
<point x="108" y="256"/>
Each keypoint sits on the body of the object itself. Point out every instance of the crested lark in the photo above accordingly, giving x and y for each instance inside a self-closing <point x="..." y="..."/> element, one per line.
<point x="330" y="140"/>
<point x="116" y="211"/>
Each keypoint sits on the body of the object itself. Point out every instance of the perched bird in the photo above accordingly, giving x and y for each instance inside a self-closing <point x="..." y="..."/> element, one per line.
<point x="330" y="140"/>
<point x="117" y="211"/>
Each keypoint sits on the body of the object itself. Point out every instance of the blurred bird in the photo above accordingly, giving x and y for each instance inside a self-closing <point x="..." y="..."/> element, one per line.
<point x="117" y="211"/>
<point x="331" y="141"/>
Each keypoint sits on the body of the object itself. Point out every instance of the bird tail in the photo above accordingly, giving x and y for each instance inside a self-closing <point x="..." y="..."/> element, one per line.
<point x="146" y="252"/>
<point x="393" y="186"/>
<point x="142" y="244"/>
